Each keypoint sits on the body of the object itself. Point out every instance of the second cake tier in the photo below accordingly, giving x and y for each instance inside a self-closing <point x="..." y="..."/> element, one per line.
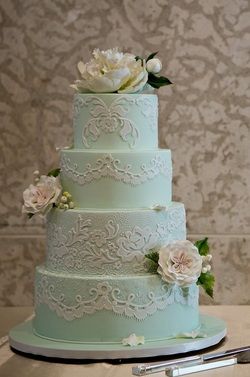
<point x="119" y="179"/>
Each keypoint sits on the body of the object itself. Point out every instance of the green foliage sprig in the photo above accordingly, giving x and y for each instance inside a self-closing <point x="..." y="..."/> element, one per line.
<point x="154" y="79"/>
<point x="153" y="257"/>
<point x="54" y="172"/>
<point x="206" y="280"/>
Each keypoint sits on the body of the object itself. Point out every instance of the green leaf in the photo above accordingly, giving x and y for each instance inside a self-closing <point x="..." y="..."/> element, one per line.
<point x="202" y="246"/>
<point x="152" y="267"/>
<point x="158" y="81"/>
<point x="153" y="258"/>
<point x="206" y="280"/>
<point x="54" y="172"/>
<point x="151" y="56"/>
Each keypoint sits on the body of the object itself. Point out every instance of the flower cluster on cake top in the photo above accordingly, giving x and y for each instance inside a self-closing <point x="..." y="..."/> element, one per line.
<point x="113" y="71"/>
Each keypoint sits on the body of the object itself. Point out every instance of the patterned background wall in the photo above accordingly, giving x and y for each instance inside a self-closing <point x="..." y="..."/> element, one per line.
<point x="204" y="117"/>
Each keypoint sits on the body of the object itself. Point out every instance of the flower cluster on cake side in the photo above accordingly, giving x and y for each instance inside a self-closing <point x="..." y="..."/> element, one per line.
<point x="183" y="263"/>
<point x="45" y="193"/>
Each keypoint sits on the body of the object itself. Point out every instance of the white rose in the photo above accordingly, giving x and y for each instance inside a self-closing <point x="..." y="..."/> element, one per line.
<point x="154" y="65"/>
<point x="40" y="198"/>
<point x="111" y="71"/>
<point x="180" y="263"/>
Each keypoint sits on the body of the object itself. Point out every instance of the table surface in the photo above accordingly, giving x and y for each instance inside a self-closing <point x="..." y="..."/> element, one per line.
<point x="11" y="364"/>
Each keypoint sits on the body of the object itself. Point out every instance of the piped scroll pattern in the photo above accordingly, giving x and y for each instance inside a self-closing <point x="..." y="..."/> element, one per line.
<point x="78" y="104"/>
<point x="149" y="111"/>
<point x="104" y="296"/>
<point x="110" y="118"/>
<point x="108" y="249"/>
<point x="109" y="167"/>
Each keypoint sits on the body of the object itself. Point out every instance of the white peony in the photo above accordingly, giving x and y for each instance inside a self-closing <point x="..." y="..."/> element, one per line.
<point x="111" y="71"/>
<point x="154" y="65"/>
<point x="40" y="198"/>
<point x="180" y="263"/>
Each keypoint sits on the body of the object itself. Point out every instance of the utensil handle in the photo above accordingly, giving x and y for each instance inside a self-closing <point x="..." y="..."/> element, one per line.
<point x="144" y="369"/>
<point x="181" y="371"/>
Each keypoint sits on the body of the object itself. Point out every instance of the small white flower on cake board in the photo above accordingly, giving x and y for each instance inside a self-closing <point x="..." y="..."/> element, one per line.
<point x="158" y="207"/>
<point x="192" y="334"/>
<point x="133" y="340"/>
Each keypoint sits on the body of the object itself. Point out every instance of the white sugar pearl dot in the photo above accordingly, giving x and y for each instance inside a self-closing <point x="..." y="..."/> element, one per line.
<point x="71" y="205"/>
<point x="204" y="270"/>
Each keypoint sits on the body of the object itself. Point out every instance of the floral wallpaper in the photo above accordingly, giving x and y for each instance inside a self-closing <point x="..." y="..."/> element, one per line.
<point x="204" y="117"/>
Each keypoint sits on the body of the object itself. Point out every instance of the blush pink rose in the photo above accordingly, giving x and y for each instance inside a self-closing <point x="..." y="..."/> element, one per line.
<point x="39" y="198"/>
<point x="180" y="263"/>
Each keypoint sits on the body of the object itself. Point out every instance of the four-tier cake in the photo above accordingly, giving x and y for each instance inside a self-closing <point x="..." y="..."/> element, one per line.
<point x="118" y="268"/>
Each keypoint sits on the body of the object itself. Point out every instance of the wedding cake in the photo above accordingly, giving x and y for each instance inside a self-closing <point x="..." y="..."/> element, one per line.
<point x="118" y="267"/>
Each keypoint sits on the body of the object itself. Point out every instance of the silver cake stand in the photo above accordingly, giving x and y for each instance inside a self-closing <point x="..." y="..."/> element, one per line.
<point x="22" y="338"/>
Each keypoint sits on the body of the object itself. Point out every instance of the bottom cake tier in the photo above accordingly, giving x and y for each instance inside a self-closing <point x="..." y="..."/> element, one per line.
<point x="102" y="309"/>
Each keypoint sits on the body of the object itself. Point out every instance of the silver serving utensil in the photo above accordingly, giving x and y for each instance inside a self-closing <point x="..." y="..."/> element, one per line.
<point x="144" y="369"/>
<point x="183" y="369"/>
<point x="243" y="358"/>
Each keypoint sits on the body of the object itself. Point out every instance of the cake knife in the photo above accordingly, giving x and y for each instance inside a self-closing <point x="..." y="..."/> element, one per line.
<point x="144" y="369"/>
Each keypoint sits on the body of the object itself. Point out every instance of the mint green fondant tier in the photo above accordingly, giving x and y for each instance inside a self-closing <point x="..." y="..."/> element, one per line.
<point x="115" y="121"/>
<point x="111" y="242"/>
<point x="130" y="179"/>
<point x="106" y="309"/>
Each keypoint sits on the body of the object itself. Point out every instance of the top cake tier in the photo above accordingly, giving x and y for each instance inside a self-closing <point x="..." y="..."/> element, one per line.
<point x="115" y="121"/>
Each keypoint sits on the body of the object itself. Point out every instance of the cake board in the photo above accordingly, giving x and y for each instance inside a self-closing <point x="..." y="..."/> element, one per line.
<point x="23" y="339"/>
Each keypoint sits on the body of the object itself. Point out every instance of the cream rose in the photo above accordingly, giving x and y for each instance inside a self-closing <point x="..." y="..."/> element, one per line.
<point x="180" y="263"/>
<point x="39" y="198"/>
<point x="111" y="71"/>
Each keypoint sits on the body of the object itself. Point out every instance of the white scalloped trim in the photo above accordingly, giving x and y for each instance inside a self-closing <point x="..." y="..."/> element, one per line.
<point x="109" y="167"/>
<point x="105" y="297"/>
